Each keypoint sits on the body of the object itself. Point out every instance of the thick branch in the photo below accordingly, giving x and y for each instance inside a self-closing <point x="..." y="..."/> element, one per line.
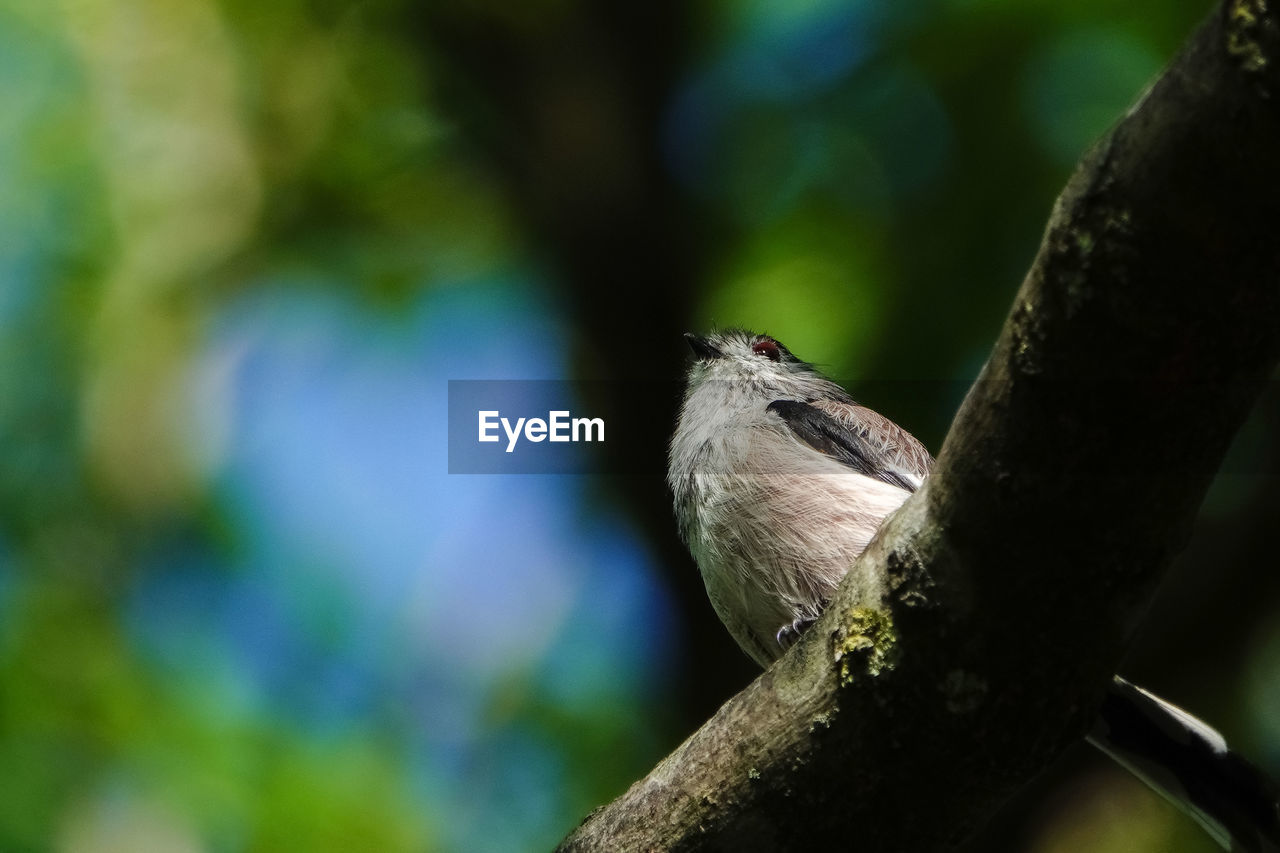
<point x="1068" y="482"/>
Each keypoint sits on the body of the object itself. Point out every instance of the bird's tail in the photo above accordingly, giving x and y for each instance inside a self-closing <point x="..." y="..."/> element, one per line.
<point x="1189" y="764"/>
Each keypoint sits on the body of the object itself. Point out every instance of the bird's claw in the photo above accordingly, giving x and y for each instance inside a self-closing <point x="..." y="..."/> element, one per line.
<point x="788" y="634"/>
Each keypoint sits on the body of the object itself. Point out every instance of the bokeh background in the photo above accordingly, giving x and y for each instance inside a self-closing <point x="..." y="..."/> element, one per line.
<point x="243" y="248"/>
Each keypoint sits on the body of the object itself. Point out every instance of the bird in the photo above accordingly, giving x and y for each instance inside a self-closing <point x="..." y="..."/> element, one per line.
<point x="780" y="479"/>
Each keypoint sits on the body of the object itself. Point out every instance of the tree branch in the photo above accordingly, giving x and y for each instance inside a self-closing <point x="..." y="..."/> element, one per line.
<point x="1069" y="480"/>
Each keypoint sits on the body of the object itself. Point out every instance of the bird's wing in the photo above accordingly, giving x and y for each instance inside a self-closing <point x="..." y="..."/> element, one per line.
<point x="905" y="452"/>
<point x="867" y="442"/>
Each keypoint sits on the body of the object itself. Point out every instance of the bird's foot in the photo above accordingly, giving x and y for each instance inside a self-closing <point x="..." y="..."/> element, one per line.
<point x="788" y="634"/>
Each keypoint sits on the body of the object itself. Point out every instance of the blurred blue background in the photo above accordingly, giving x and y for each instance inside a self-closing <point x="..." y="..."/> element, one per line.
<point x="245" y="247"/>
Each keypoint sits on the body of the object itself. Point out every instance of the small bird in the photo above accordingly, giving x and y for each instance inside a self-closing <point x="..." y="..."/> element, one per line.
<point x="781" y="480"/>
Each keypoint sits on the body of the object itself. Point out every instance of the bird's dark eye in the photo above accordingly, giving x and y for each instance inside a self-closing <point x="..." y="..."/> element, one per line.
<point x="767" y="348"/>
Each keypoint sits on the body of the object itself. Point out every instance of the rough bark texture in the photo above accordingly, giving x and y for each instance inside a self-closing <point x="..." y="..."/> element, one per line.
<point x="1070" y="477"/>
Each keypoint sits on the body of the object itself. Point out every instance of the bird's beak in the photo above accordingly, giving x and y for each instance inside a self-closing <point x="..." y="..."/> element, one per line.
<point x="701" y="347"/>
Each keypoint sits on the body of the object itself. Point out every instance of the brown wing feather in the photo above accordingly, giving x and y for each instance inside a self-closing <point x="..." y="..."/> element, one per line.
<point x="908" y="453"/>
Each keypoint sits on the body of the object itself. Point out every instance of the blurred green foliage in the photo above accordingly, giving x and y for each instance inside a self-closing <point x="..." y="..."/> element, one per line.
<point x="868" y="182"/>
